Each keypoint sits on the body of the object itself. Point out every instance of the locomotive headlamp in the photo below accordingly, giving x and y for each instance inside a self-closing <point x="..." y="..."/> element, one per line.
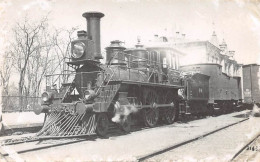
<point x="46" y="96"/>
<point x="78" y="50"/>
<point x="88" y="94"/>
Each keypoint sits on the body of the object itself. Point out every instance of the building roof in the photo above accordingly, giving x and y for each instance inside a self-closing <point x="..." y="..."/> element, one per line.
<point x="251" y="65"/>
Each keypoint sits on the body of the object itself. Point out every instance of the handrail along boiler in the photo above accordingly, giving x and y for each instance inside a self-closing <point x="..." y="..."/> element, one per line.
<point x="134" y="85"/>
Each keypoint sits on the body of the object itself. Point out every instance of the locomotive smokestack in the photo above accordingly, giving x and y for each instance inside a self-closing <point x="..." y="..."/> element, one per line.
<point x="93" y="29"/>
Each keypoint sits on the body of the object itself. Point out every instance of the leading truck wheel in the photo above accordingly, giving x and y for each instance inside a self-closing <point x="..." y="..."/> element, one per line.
<point x="102" y="124"/>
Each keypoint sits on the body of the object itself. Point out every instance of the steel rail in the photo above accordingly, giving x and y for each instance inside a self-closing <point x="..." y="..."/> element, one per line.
<point x="45" y="147"/>
<point x="147" y="156"/>
<point x="244" y="147"/>
<point x="19" y="141"/>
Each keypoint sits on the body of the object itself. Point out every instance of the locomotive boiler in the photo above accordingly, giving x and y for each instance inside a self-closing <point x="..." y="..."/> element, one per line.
<point x="134" y="85"/>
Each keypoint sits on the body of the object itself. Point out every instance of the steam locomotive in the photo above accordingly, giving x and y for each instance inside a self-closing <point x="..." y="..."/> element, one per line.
<point x="134" y="85"/>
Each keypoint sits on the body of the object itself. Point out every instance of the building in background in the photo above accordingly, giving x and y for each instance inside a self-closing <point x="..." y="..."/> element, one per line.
<point x="198" y="52"/>
<point x="210" y="51"/>
<point x="205" y="55"/>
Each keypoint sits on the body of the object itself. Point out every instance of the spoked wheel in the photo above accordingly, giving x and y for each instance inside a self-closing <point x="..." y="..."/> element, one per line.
<point x="151" y="115"/>
<point x="169" y="113"/>
<point x="102" y="124"/>
<point x="126" y="125"/>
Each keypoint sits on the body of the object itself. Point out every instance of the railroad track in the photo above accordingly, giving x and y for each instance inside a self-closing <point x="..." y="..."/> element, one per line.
<point x="10" y="153"/>
<point x="43" y="147"/>
<point x="161" y="151"/>
<point x="69" y="140"/>
<point x="114" y="131"/>
<point x="22" y="130"/>
<point x="249" y="150"/>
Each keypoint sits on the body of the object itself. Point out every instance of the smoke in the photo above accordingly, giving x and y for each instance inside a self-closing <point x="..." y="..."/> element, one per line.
<point x="256" y="111"/>
<point x="181" y="93"/>
<point x="122" y="112"/>
<point x="43" y="4"/>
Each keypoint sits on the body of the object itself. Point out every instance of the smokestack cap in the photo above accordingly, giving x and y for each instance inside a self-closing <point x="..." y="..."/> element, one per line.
<point x="93" y="14"/>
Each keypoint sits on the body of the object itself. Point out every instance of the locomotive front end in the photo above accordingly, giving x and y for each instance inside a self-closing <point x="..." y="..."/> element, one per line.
<point x="69" y="99"/>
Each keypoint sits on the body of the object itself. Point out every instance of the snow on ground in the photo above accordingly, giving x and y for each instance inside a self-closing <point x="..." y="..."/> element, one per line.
<point x="21" y="119"/>
<point x="220" y="146"/>
<point x="131" y="146"/>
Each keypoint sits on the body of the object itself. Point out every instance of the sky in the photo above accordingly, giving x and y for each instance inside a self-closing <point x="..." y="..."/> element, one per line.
<point x="237" y="21"/>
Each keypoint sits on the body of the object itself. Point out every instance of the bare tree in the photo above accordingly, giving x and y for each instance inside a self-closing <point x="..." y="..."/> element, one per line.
<point x="26" y="47"/>
<point x="38" y="49"/>
<point x="5" y="72"/>
<point x="39" y="64"/>
<point x="62" y="40"/>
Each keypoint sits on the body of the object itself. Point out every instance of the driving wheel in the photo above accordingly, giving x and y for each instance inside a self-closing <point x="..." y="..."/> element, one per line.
<point x="169" y="113"/>
<point x="151" y="114"/>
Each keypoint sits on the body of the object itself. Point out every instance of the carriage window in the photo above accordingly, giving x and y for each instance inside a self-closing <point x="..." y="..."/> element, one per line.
<point x="155" y="57"/>
<point x="169" y="55"/>
<point x="126" y="62"/>
<point x="164" y="63"/>
<point x="151" y="57"/>
<point x="177" y="62"/>
<point x="173" y="61"/>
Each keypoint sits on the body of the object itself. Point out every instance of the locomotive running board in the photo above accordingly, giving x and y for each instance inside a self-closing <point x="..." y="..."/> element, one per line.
<point x="152" y="105"/>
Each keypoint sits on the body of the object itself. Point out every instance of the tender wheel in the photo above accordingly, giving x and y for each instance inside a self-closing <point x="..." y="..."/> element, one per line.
<point x="169" y="113"/>
<point x="126" y="125"/>
<point x="102" y="124"/>
<point x="151" y="115"/>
